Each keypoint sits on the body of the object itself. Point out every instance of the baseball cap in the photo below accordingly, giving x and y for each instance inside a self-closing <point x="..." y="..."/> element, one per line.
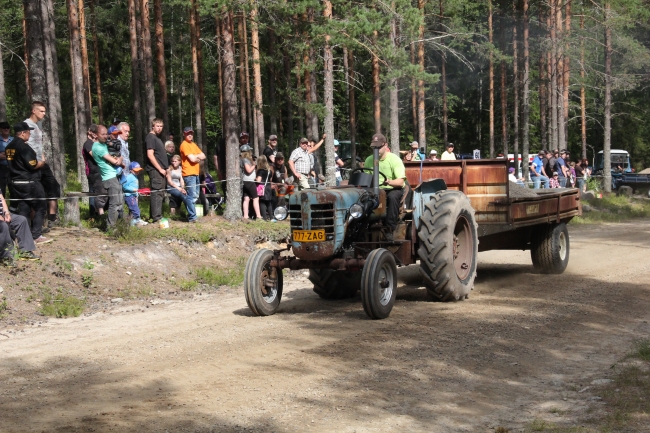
<point x="273" y="137"/>
<point x="116" y="120"/>
<point x="4" y="125"/>
<point x="279" y="155"/>
<point x="541" y="153"/>
<point x="511" y="170"/>
<point x="336" y="143"/>
<point x="378" y="140"/>
<point x="245" y="148"/>
<point x="303" y="140"/>
<point x="414" y="144"/>
<point x="433" y="152"/>
<point x="450" y="144"/>
<point x="135" y="167"/>
<point x="188" y="130"/>
<point x="22" y="126"/>
<point x="243" y="134"/>
<point x="562" y="151"/>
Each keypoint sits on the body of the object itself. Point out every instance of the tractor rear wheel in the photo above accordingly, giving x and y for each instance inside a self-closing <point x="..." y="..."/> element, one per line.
<point x="549" y="248"/>
<point x="331" y="284"/>
<point x="448" y="246"/>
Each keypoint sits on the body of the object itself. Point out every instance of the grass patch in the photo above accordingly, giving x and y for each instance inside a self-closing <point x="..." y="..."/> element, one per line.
<point x="613" y="208"/>
<point x="3" y="307"/>
<point x="59" y="305"/>
<point x="539" y="425"/>
<point x="221" y="277"/>
<point x="188" y="285"/>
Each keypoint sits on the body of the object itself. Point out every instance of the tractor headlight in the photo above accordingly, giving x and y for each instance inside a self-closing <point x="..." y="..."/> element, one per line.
<point x="356" y="211"/>
<point x="280" y="213"/>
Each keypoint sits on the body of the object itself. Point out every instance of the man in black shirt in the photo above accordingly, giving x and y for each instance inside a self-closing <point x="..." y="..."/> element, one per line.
<point x="157" y="168"/>
<point x="20" y="226"/>
<point x="26" y="190"/>
<point x="93" y="174"/>
<point x="271" y="149"/>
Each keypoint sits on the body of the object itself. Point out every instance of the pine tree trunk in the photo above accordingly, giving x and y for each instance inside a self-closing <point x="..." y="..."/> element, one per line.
<point x="328" y="99"/>
<point x="422" y="135"/>
<point x="135" y="82"/>
<point x="80" y="107"/>
<point x="28" y="85"/>
<point x="220" y="73"/>
<point x="144" y="116"/>
<point x="98" y="77"/>
<point x="252" y="124"/>
<point x="273" y="127"/>
<point x="306" y="66"/>
<point x="515" y="75"/>
<point x="561" y="125"/>
<point x="314" y="94"/>
<point x="607" y="139"/>
<point x="288" y="100"/>
<point x="195" y="41"/>
<point x="583" y="96"/>
<point x="443" y="85"/>
<point x="3" y="95"/>
<point x="199" y="57"/>
<point x="233" y="174"/>
<point x="161" y="67"/>
<point x="543" y="100"/>
<point x="414" y="96"/>
<point x="257" y="79"/>
<point x="567" y="70"/>
<point x="352" y="109"/>
<point x="526" y="92"/>
<point x="504" y="94"/>
<point x="553" y="82"/>
<point x="243" y="101"/>
<point x="148" y="61"/>
<point x="56" y="153"/>
<point x="394" y="95"/>
<point x="491" y="78"/>
<point x="84" y="60"/>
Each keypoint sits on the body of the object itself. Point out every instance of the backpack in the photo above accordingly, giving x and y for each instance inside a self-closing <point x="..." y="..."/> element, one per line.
<point x="210" y="186"/>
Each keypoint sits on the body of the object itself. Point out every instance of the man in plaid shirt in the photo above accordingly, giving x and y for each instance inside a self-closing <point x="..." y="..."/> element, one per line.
<point x="301" y="161"/>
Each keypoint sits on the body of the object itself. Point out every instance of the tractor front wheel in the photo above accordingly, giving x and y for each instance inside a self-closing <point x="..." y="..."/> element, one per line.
<point x="262" y="283"/>
<point x="379" y="284"/>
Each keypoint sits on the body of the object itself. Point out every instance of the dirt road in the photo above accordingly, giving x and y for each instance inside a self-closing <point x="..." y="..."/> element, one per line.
<point x="523" y="347"/>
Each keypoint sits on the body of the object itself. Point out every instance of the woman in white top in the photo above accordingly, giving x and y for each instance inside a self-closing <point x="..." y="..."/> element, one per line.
<point x="248" y="178"/>
<point x="176" y="176"/>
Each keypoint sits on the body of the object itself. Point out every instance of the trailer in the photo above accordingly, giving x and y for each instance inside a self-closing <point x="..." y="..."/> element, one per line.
<point x="450" y="211"/>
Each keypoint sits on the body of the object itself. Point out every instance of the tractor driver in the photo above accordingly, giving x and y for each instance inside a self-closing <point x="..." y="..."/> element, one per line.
<point x="392" y="167"/>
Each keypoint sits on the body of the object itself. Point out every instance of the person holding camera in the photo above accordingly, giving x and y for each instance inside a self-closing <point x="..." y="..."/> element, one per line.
<point x="108" y="164"/>
<point x="413" y="154"/>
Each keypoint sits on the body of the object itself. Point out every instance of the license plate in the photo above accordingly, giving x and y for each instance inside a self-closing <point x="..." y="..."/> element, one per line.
<point x="309" y="235"/>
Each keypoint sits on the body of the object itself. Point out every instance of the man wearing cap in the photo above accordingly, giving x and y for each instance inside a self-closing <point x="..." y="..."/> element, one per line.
<point x="191" y="157"/>
<point x="107" y="164"/>
<point x="271" y="148"/>
<point x="27" y="194"/>
<point x="50" y="184"/>
<point x="5" y="139"/>
<point x="338" y="163"/>
<point x="301" y="161"/>
<point x="391" y="166"/>
<point x="537" y="172"/>
<point x="243" y="138"/>
<point x="448" y="155"/>
<point x="561" y="169"/>
<point x="157" y="168"/>
<point x="433" y="155"/>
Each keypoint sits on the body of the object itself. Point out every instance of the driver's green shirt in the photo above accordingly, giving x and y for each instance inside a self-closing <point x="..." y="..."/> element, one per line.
<point x="392" y="166"/>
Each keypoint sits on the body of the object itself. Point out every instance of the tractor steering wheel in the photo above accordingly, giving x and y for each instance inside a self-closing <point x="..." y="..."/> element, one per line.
<point x="371" y="170"/>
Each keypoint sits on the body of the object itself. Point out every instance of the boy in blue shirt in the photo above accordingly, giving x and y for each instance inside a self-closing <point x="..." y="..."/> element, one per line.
<point x="130" y="188"/>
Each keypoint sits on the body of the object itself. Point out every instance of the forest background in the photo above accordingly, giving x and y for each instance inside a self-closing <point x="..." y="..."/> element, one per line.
<point x="509" y="76"/>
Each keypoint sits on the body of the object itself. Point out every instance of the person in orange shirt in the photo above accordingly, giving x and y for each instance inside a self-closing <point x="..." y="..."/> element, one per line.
<point x="191" y="157"/>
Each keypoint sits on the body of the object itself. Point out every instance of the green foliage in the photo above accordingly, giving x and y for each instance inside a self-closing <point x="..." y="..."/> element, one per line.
<point x="612" y="208"/>
<point x="58" y="305"/>
<point x="220" y="277"/>
<point x="87" y="280"/>
<point x="188" y="285"/>
<point x="88" y="264"/>
<point x="3" y="307"/>
<point x="642" y="350"/>
<point x="63" y="263"/>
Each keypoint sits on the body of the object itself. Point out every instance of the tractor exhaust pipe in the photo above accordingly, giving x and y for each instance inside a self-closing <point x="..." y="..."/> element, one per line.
<point x="375" y="170"/>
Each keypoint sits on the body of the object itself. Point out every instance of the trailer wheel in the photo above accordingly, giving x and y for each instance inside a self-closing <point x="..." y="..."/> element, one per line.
<point x="331" y="284"/>
<point x="262" y="283"/>
<point x="448" y="246"/>
<point x="379" y="284"/>
<point x="549" y="248"/>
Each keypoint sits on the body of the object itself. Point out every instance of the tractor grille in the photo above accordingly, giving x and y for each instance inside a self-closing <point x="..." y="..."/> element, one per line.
<point x="322" y="217"/>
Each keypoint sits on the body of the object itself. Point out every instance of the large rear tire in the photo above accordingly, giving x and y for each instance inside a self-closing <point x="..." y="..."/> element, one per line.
<point x="379" y="284"/>
<point x="549" y="248"/>
<point x="262" y="284"/>
<point x="448" y="246"/>
<point x="331" y="284"/>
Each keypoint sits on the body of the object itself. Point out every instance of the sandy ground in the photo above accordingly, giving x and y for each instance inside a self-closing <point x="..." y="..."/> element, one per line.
<point x="524" y="346"/>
